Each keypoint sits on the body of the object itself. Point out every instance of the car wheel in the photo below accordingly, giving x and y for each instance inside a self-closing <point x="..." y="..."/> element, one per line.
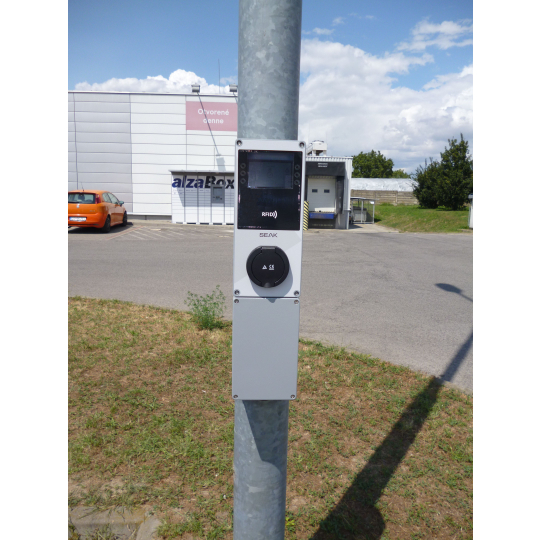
<point x="124" y="220"/>
<point x="107" y="227"/>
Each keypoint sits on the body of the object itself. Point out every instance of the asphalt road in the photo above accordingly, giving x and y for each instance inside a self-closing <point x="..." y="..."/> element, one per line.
<point x="405" y="298"/>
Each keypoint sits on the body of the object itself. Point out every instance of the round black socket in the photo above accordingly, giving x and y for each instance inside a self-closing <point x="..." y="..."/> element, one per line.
<point x="267" y="266"/>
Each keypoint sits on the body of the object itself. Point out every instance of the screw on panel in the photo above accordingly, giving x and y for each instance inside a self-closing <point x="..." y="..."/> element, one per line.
<point x="239" y="143"/>
<point x="236" y="292"/>
<point x="235" y="396"/>
<point x="236" y="301"/>
<point x="293" y="396"/>
<point x="296" y="293"/>
<point x="296" y="301"/>
<point x="301" y="145"/>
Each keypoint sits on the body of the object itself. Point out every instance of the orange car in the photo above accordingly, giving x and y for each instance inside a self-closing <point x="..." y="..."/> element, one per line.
<point x="95" y="208"/>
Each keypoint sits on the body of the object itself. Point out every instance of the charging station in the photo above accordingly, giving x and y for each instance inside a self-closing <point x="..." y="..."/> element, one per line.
<point x="267" y="268"/>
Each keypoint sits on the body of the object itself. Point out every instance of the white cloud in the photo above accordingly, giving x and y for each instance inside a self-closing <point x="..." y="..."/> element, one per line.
<point x="443" y="36"/>
<point x="179" y="81"/>
<point x="322" y="31"/>
<point x="348" y="99"/>
<point x="229" y="80"/>
<point x="338" y="20"/>
<point x="361" y="16"/>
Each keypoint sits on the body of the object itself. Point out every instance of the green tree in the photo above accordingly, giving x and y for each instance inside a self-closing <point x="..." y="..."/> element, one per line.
<point x="448" y="182"/>
<point x="425" y="184"/>
<point x="400" y="174"/>
<point x="456" y="174"/>
<point x="372" y="165"/>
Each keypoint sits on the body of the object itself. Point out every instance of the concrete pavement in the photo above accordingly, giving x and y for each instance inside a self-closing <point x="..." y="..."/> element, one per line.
<point x="120" y="523"/>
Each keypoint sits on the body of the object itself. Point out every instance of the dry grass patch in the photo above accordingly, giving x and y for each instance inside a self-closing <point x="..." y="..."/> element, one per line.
<point x="375" y="450"/>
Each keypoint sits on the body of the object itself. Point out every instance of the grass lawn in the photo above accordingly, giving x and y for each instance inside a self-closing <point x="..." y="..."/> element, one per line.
<point x="375" y="450"/>
<point x="412" y="218"/>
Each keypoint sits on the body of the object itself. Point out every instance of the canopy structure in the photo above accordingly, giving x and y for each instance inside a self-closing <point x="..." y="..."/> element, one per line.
<point x="382" y="184"/>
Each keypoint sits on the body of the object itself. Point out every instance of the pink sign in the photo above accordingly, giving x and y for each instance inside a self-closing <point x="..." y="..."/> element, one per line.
<point x="211" y="116"/>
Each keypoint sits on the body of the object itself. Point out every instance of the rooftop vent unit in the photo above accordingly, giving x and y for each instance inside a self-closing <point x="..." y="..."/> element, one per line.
<point x="317" y="148"/>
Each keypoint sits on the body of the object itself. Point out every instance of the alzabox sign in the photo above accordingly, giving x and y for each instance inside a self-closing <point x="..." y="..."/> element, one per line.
<point x="211" y="116"/>
<point x="201" y="183"/>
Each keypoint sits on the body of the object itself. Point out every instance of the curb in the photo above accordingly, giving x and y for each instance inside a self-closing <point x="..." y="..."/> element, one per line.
<point x="120" y="523"/>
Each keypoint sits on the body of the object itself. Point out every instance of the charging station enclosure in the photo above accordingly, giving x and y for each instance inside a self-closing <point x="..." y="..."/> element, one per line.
<point x="267" y="266"/>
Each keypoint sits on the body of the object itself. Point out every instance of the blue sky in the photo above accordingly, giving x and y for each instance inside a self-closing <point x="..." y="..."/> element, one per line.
<point x="402" y="71"/>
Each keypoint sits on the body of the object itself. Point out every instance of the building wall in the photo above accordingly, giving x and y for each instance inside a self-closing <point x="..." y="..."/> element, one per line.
<point x="158" y="132"/>
<point x="129" y="143"/>
<point x="386" y="196"/>
<point x="99" y="143"/>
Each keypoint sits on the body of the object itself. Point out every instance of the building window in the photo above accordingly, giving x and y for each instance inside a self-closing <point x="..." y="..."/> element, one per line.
<point x="327" y="191"/>
<point x="314" y="190"/>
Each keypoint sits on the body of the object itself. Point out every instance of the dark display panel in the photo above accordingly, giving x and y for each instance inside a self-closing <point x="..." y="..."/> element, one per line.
<point x="269" y="190"/>
<point x="274" y="171"/>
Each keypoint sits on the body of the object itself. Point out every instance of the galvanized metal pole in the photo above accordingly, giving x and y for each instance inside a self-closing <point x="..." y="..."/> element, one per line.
<point x="269" y="69"/>
<point x="269" y="83"/>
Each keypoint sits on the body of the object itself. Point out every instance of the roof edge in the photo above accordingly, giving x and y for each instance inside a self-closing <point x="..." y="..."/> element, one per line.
<point x="151" y="93"/>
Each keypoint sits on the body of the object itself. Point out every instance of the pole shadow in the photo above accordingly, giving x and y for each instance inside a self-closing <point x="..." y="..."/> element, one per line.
<point x="355" y="516"/>
<point x="453" y="289"/>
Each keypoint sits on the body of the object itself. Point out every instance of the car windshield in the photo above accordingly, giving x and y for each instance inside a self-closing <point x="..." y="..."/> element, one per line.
<point x="84" y="198"/>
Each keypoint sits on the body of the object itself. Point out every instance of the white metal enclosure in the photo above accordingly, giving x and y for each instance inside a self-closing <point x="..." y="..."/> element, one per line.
<point x="202" y="199"/>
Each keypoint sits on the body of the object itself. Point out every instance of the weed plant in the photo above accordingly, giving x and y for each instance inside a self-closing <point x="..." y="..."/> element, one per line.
<point x="376" y="451"/>
<point x="207" y="310"/>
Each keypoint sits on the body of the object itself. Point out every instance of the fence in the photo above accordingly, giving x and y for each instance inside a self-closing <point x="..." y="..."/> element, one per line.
<point x="393" y="197"/>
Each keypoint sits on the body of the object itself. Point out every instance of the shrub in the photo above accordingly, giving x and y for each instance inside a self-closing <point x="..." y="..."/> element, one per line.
<point x="446" y="183"/>
<point x="207" y="310"/>
<point x="425" y="185"/>
<point x="456" y="175"/>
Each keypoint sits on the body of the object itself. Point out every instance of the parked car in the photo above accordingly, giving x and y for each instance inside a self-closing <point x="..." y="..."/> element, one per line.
<point x="95" y="208"/>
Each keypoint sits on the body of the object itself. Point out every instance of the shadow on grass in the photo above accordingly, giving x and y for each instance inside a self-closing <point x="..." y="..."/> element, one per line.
<point x="355" y="516"/>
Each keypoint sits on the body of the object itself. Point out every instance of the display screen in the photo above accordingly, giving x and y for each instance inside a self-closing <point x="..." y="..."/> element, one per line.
<point x="270" y="171"/>
<point x="269" y="189"/>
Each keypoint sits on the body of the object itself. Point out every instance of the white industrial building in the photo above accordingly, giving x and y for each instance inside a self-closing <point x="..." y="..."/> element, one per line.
<point x="171" y="156"/>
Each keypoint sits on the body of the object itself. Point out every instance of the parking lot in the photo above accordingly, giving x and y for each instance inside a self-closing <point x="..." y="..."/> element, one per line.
<point x="405" y="298"/>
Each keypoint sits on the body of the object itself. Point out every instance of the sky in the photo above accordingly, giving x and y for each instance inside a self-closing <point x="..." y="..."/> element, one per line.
<point x="390" y="76"/>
